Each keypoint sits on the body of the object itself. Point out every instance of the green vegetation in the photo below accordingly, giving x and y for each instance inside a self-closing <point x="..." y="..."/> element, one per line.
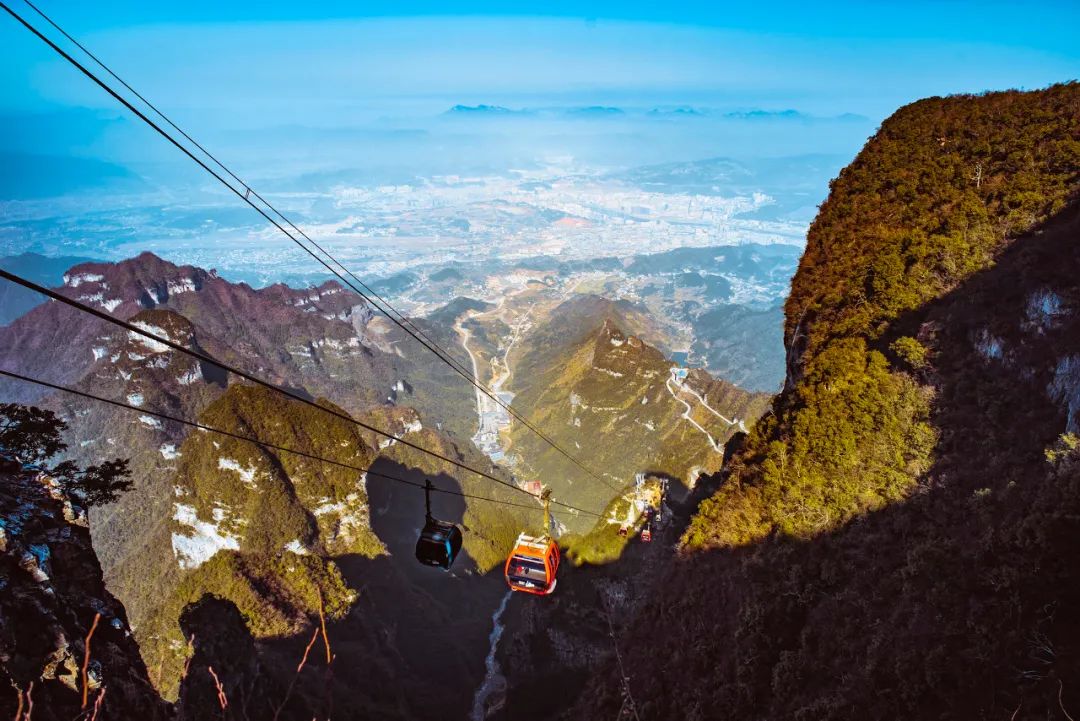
<point x="930" y="200"/>
<point x="1066" y="447"/>
<point x="897" y="538"/>
<point x="290" y="515"/>
<point x="272" y="498"/>
<point x="859" y="439"/>
<point x="911" y="351"/>
<point x="278" y="596"/>
<point x="932" y="197"/>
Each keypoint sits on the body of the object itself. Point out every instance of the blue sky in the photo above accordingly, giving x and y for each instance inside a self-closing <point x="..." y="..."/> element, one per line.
<point x="304" y="97"/>
<point x="244" y="60"/>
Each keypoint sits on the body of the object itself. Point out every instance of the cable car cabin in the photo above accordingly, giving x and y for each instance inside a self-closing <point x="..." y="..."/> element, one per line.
<point x="646" y="534"/>
<point x="439" y="544"/>
<point x="532" y="565"/>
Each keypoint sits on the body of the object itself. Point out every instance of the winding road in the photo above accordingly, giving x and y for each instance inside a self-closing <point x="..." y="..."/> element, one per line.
<point x="718" y="447"/>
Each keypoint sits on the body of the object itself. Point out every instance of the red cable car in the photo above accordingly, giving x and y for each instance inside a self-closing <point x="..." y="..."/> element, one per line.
<point x="532" y="565"/>
<point x="646" y="534"/>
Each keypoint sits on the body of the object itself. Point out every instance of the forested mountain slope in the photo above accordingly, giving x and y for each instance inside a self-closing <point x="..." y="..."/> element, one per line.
<point x="898" y="538"/>
<point x="264" y="531"/>
<point x="616" y="402"/>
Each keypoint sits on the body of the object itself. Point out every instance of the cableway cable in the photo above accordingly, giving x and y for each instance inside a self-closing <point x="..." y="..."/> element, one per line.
<point x="258" y="442"/>
<point x="368" y="294"/>
<point x="131" y="328"/>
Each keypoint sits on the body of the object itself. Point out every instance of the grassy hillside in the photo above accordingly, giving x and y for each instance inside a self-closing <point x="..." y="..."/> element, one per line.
<point x="934" y="197"/>
<point x="254" y="525"/>
<point x="609" y="398"/>
<point x="896" y="539"/>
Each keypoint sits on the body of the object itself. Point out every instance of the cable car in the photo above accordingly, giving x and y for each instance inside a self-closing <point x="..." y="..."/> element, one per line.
<point x="439" y="541"/>
<point x="532" y="565"/>
<point x="646" y="533"/>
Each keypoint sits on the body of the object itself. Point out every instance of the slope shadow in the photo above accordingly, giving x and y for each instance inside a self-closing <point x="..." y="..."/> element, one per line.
<point x="414" y="643"/>
<point x="559" y="642"/>
<point x="962" y="601"/>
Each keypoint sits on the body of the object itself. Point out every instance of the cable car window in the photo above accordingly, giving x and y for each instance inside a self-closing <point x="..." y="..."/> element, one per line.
<point x="528" y="570"/>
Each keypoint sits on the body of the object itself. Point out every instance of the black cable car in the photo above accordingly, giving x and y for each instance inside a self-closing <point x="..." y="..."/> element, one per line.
<point x="440" y="541"/>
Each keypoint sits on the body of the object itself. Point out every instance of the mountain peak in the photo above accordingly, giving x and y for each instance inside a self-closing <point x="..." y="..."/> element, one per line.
<point x="611" y="334"/>
<point x="126" y="287"/>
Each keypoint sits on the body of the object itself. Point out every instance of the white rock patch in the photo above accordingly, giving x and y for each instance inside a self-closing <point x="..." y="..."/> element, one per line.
<point x="351" y="518"/>
<point x="247" y="474"/>
<point x="154" y="296"/>
<point x="192" y="376"/>
<point x="296" y="547"/>
<point x="207" y="539"/>
<point x="76" y="280"/>
<point x="151" y="345"/>
<point x="186" y="285"/>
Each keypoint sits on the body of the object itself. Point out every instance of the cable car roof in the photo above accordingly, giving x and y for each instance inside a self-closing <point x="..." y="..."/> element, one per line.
<point x="539" y="543"/>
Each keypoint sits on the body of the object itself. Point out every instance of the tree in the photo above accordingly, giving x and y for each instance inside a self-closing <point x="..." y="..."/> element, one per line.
<point x="30" y="435"/>
<point x="34" y="435"/>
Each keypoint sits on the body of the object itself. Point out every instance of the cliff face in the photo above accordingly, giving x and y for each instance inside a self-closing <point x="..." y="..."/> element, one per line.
<point x="51" y="589"/>
<point x="896" y="539"/>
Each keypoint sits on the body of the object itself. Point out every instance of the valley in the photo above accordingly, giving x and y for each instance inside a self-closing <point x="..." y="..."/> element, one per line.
<point x="492" y="418"/>
<point x="665" y="363"/>
<point x="265" y="530"/>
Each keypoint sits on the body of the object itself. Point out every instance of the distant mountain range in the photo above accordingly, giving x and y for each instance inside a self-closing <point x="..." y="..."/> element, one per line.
<point x="29" y="177"/>
<point x="660" y="112"/>
<point x="16" y="300"/>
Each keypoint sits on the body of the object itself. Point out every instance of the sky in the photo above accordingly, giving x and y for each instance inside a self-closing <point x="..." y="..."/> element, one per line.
<point x="304" y="98"/>
<point x="338" y="62"/>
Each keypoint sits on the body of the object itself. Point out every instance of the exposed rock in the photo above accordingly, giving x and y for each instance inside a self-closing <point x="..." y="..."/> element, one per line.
<point x="1065" y="389"/>
<point x="51" y="589"/>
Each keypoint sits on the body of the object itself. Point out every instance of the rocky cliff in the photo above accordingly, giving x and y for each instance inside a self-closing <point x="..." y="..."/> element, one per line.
<point x="895" y="539"/>
<point x="57" y="617"/>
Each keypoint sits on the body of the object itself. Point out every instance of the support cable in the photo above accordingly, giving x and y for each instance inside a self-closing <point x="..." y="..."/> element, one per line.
<point x="368" y="294"/>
